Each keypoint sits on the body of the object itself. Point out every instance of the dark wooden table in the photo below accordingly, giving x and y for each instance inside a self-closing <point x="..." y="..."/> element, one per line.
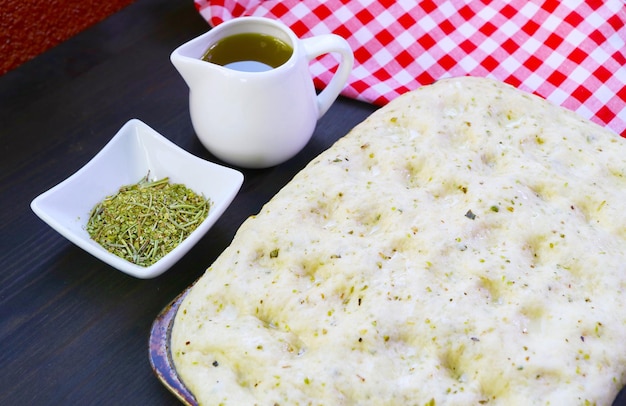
<point x="74" y="331"/>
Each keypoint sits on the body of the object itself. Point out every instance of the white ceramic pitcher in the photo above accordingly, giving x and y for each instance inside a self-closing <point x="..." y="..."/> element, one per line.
<point x="258" y="119"/>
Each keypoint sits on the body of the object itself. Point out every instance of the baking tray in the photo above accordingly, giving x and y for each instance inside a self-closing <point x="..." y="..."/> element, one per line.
<point x="160" y="356"/>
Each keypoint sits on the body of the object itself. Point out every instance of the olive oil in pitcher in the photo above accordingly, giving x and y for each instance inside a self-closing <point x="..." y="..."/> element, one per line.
<point x="249" y="52"/>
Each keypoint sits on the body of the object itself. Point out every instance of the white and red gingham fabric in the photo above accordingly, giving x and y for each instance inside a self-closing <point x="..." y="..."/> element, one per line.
<point x="571" y="52"/>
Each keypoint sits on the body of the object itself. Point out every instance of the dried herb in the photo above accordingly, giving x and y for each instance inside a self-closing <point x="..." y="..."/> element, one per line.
<point x="146" y="220"/>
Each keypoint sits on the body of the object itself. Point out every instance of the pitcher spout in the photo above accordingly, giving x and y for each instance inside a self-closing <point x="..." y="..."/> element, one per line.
<point x="191" y="68"/>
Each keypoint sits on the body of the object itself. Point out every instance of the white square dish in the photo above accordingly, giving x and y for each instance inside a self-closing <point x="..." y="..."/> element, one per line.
<point x="133" y="152"/>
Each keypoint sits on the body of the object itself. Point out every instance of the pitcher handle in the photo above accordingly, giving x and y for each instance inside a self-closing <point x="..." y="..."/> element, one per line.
<point x="325" y="44"/>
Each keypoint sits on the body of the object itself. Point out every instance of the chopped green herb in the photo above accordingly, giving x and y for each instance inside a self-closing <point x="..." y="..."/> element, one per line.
<point x="145" y="221"/>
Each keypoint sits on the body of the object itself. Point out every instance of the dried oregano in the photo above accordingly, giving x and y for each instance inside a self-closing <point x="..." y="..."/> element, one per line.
<point x="146" y="220"/>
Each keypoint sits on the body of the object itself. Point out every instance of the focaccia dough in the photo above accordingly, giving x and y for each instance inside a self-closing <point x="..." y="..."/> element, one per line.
<point x="463" y="245"/>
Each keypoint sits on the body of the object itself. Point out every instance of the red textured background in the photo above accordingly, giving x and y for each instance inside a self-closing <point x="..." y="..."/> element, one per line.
<point x="30" y="27"/>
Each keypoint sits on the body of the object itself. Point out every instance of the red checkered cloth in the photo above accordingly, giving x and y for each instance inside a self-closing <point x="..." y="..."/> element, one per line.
<point x="571" y="52"/>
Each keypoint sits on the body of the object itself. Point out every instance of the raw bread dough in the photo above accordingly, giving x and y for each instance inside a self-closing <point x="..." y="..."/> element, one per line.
<point x="466" y="244"/>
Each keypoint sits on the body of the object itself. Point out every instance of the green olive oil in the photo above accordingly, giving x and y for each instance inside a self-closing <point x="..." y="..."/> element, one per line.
<point x="252" y="52"/>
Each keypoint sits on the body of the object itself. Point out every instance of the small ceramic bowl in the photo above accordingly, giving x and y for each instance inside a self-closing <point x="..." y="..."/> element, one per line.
<point x="135" y="151"/>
